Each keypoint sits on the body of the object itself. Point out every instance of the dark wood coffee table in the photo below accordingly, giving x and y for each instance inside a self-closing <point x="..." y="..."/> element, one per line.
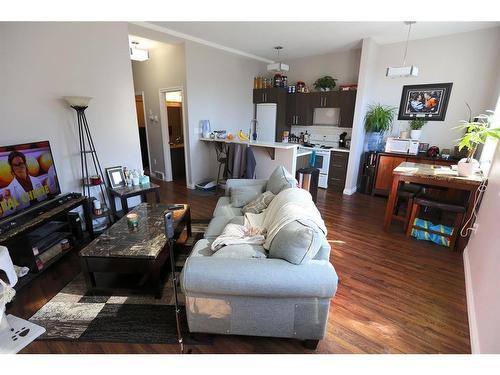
<point x="143" y="249"/>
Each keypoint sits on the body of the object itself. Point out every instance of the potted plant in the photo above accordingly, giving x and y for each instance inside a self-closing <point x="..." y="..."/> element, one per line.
<point x="416" y="125"/>
<point x="326" y="83"/>
<point x="378" y="120"/>
<point x="476" y="133"/>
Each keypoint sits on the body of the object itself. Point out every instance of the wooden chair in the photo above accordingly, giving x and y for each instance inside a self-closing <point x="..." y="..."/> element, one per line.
<point x="458" y="209"/>
<point x="407" y="192"/>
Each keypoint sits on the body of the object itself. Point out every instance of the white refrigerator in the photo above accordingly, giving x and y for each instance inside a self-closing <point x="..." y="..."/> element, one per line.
<point x="266" y="122"/>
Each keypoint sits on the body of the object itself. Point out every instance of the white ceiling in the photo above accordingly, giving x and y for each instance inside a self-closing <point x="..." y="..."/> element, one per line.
<point x="301" y="39"/>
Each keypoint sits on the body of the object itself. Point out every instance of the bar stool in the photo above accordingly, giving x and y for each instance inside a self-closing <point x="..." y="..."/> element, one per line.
<point x="221" y="152"/>
<point x="459" y="209"/>
<point x="408" y="192"/>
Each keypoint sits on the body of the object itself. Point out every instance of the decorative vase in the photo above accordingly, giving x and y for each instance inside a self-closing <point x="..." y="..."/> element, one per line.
<point x="466" y="169"/>
<point x="415" y="134"/>
<point x="374" y="141"/>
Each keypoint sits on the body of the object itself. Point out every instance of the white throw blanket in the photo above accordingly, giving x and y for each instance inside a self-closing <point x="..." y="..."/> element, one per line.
<point x="289" y="205"/>
<point x="234" y="234"/>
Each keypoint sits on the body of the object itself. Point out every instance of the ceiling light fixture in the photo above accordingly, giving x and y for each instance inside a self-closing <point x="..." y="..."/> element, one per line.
<point x="138" y="54"/>
<point x="278" y="66"/>
<point x="403" y="71"/>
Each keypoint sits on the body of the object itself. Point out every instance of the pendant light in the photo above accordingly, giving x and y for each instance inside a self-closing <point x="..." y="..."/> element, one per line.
<point x="278" y="66"/>
<point x="138" y="54"/>
<point x="404" y="71"/>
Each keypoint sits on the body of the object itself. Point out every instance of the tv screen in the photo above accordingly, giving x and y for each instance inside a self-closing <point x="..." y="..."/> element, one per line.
<point x="27" y="177"/>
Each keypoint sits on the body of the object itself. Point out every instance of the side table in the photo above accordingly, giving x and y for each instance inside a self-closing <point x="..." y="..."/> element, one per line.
<point x="125" y="192"/>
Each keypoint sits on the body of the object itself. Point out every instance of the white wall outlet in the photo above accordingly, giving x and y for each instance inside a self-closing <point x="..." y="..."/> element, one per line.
<point x="475" y="227"/>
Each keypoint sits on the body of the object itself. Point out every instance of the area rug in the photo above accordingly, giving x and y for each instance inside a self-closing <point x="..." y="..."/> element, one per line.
<point x="121" y="314"/>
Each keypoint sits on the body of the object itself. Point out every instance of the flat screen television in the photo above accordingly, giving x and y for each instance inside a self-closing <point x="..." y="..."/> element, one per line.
<point x="27" y="177"/>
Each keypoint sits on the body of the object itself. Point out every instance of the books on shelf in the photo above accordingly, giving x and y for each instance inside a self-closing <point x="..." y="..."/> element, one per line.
<point x="48" y="255"/>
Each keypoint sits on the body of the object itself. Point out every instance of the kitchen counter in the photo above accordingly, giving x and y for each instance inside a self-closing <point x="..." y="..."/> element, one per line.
<point x="280" y="145"/>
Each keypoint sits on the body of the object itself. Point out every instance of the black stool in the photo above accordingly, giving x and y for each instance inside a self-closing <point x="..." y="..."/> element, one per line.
<point x="459" y="209"/>
<point x="221" y="152"/>
<point x="408" y="192"/>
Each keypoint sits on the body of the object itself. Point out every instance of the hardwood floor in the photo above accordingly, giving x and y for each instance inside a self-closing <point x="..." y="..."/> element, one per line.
<point x="395" y="295"/>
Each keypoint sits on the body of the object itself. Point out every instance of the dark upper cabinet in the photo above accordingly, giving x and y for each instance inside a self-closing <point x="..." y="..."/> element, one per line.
<point x="298" y="110"/>
<point x="327" y="99"/>
<point x="271" y="95"/>
<point x="347" y="100"/>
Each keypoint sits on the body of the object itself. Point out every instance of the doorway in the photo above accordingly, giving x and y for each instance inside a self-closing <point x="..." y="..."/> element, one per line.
<point x="143" y="136"/>
<point x="172" y="102"/>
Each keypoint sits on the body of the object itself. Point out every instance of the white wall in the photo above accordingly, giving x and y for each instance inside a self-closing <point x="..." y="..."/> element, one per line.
<point x="469" y="60"/>
<point x="482" y="262"/>
<point x="165" y="68"/>
<point x="342" y="65"/>
<point x="219" y="89"/>
<point x="47" y="61"/>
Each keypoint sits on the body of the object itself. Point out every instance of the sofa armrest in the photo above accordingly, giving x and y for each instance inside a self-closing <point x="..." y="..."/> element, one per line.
<point x="238" y="182"/>
<point x="258" y="278"/>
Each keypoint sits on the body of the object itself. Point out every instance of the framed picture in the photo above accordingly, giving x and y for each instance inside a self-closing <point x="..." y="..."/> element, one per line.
<point x="428" y="101"/>
<point x="115" y="176"/>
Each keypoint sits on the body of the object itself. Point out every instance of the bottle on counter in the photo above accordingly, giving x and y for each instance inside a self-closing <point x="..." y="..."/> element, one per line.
<point x="306" y="137"/>
<point x="277" y="80"/>
<point x="285" y="136"/>
<point x="301" y="137"/>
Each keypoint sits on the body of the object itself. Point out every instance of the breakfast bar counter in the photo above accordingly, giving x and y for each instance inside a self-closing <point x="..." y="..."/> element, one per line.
<point x="268" y="155"/>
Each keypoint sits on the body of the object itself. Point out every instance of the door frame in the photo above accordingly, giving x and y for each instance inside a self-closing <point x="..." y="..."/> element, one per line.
<point x="166" y="137"/>
<point x="141" y="93"/>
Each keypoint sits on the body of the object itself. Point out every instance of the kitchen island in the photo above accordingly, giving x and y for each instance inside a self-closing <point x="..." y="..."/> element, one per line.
<point x="268" y="155"/>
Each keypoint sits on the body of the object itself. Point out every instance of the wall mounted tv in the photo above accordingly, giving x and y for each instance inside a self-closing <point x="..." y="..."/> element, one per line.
<point x="27" y="177"/>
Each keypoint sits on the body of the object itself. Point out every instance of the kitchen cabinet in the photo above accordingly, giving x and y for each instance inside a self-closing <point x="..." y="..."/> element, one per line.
<point x="297" y="109"/>
<point x="387" y="162"/>
<point x="347" y="100"/>
<point x="271" y="95"/>
<point x="326" y="99"/>
<point x="337" y="171"/>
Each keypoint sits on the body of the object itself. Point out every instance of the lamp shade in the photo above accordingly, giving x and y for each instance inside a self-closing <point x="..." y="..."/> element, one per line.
<point x="78" y="101"/>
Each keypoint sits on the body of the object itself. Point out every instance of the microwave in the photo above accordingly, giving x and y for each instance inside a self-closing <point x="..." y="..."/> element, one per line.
<point x="402" y="146"/>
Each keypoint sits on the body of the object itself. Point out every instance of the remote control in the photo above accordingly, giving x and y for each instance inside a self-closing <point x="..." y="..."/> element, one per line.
<point x="175" y="206"/>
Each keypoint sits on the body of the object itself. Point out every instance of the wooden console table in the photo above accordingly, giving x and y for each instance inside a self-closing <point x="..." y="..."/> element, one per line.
<point x="424" y="174"/>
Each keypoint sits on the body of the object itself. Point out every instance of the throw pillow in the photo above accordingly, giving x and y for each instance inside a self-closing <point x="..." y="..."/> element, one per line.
<point x="297" y="242"/>
<point x="240" y="251"/>
<point x="243" y="195"/>
<point x="279" y="180"/>
<point x="259" y="204"/>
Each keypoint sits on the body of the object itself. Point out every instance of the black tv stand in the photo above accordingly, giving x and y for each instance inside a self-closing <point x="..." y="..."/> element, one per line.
<point x="21" y="234"/>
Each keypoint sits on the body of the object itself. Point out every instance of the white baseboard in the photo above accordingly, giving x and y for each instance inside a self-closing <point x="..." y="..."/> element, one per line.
<point x="473" y="332"/>
<point x="350" y="191"/>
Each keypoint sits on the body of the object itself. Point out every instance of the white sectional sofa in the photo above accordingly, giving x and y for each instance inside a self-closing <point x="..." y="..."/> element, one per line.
<point x="286" y="294"/>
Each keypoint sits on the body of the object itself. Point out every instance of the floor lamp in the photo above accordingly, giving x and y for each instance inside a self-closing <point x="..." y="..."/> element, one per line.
<point x="87" y="148"/>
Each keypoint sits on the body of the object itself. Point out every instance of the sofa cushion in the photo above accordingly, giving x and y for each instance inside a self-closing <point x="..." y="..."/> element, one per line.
<point x="224" y="208"/>
<point x="201" y="249"/>
<point x="297" y="242"/>
<point x="218" y="223"/>
<point x="241" y="251"/>
<point x="279" y="180"/>
<point x="243" y="195"/>
<point x="259" y="204"/>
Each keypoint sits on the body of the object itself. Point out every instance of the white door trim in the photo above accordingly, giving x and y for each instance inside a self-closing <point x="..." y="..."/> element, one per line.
<point x="141" y="93"/>
<point x="166" y="137"/>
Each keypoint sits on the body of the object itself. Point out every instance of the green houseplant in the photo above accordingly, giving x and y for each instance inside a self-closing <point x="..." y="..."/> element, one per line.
<point x="416" y="125"/>
<point x="378" y="120"/>
<point x="476" y="133"/>
<point x="326" y="83"/>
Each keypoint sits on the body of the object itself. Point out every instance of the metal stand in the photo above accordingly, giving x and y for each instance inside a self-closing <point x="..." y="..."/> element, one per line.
<point x="174" y="285"/>
<point x="87" y="148"/>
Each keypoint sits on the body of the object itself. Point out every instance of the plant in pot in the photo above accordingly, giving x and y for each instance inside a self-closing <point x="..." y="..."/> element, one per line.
<point x="416" y="125"/>
<point x="476" y="133"/>
<point x="326" y="83"/>
<point x="378" y="120"/>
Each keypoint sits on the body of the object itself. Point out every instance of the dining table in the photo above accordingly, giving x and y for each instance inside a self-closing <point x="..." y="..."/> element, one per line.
<point x="438" y="176"/>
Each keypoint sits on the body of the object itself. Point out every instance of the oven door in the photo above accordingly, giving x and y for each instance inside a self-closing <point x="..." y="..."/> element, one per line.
<point x="322" y="161"/>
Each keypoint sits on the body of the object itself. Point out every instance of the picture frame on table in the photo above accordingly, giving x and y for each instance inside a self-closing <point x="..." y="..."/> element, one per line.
<point x="429" y="101"/>
<point x="116" y="177"/>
